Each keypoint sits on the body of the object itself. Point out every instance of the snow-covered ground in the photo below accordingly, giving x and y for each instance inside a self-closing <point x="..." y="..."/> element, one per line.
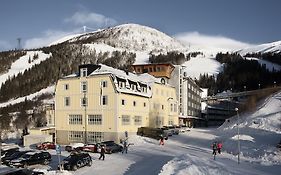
<point x="202" y="64"/>
<point x="22" y="64"/>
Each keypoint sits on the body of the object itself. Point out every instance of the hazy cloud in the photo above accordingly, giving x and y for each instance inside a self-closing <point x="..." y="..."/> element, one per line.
<point x="4" y="45"/>
<point x="219" y="43"/>
<point x="46" y="39"/>
<point x="91" y="19"/>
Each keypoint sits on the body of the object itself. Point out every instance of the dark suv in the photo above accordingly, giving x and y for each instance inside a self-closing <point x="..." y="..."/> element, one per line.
<point x="76" y="160"/>
<point x="110" y="147"/>
<point x="7" y="159"/>
<point x="32" y="158"/>
<point x="155" y="133"/>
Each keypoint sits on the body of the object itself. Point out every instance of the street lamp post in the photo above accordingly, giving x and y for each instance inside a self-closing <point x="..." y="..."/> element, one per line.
<point x="238" y="135"/>
<point x="85" y="111"/>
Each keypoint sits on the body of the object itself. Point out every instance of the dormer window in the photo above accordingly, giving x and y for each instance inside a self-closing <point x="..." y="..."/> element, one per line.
<point x="83" y="72"/>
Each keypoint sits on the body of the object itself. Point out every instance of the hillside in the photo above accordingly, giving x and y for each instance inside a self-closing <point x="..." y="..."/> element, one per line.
<point x="260" y="132"/>
<point x="29" y="72"/>
<point x="273" y="47"/>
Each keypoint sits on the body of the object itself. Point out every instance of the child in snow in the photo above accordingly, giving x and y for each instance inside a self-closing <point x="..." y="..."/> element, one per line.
<point x="161" y="141"/>
<point x="214" y="146"/>
<point x="219" y="147"/>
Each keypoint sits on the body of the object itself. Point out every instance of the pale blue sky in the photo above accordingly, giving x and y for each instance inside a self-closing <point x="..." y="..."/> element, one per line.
<point x="41" y="21"/>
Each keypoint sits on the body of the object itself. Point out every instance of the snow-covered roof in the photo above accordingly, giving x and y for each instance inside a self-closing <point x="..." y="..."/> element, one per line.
<point x="146" y="80"/>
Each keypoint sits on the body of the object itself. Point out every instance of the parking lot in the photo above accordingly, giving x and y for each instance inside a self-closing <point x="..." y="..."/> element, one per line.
<point x="116" y="163"/>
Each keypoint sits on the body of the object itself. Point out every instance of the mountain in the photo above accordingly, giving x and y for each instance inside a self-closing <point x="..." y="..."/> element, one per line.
<point x="119" y="47"/>
<point x="273" y="47"/>
<point x="131" y="37"/>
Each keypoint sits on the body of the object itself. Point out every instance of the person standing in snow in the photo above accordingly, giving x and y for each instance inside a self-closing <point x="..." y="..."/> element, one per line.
<point x="102" y="152"/>
<point x="125" y="147"/>
<point x="214" y="146"/>
<point x="219" y="146"/>
<point x="161" y="141"/>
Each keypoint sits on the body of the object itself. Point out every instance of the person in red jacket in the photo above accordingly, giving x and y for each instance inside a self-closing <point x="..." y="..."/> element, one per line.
<point x="161" y="141"/>
<point x="219" y="147"/>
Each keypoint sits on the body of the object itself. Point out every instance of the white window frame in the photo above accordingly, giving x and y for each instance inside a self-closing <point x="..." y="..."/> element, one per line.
<point x="66" y="87"/>
<point x="104" y="83"/>
<point x="95" y="119"/>
<point x="104" y="100"/>
<point x="126" y="120"/>
<point x="75" y="119"/>
<point x="138" y="120"/>
<point x="95" y="137"/>
<point x="75" y="136"/>
<point x="84" y="101"/>
<point x="83" y="72"/>
<point x="66" y="101"/>
<point x="84" y="86"/>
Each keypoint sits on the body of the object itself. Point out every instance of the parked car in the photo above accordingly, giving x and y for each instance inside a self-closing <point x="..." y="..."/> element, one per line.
<point x="8" y="150"/>
<point x="46" y="145"/>
<point x="167" y="131"/>
<point x="92" y="147"/>
<point x="15" y="171"/>
<point x="76" y="160"/>
<point x="155" y="133"/>
<point x="110" y="147"/>
<point x="74" y="147"/>
<point x="7" y="159"/>
<point x="32" y="158"/>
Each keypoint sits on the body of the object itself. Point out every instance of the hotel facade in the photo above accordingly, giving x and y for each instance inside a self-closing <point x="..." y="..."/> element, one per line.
<point x="101" y="103"/>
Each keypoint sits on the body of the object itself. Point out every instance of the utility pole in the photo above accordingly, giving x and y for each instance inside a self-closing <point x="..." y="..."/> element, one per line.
<point x="238" y="139"/>
<point x="85" y="105"/>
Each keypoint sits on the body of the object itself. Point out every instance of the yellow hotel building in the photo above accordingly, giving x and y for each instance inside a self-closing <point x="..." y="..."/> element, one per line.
<point x="101" y="103"/>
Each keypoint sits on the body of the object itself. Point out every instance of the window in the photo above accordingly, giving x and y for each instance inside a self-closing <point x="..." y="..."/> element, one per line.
<point x="171" y="108"/>
<point x="84" y="101"/>
<point x="175" y="108"/>
<point x="83" y="72"/>
<point x="75" y="120"/>
<point x="150" y="69"/>
<point x="170" y="122"/>
<point x="95" y="119"/>
<point x="144" y="104"/>
<point x="138" y="120"/>
<point x="104" y="100"/>
<point x="158" y="121"/>
<point x="95" y="137"/>
<point x="158" y="69"/>
<point x="104" y="83"/>
<point x="75" y="135"/>
<point x="66" y="101"/>
<point x="162" y="106"/>
<point x="123" y="102"/>
<point x="84" y="86"/>
<point x="50" y="121"/>
<point x="125" y="120"/>
<point x="66" y="86"/>
<point x="134" y="103"/>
